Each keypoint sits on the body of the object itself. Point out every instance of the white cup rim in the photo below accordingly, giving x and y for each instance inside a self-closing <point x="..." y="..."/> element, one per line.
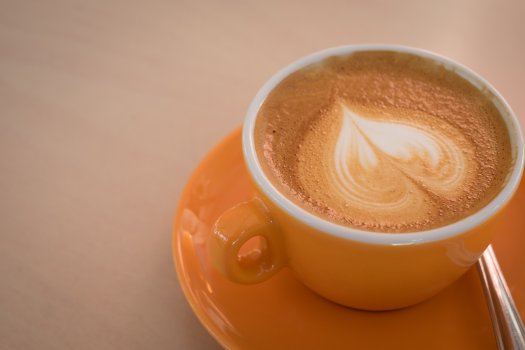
<point x="369" y="237"/>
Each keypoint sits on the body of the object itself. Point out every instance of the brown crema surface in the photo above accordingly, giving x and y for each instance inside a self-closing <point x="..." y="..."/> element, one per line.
<point x="384" y="142"/>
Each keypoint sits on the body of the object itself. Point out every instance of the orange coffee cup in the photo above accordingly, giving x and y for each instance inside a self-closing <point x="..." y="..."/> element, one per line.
<point x="360" y="269"/>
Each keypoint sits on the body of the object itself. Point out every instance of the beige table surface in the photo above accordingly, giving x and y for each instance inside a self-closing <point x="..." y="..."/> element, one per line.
<point x="107" y="106"/>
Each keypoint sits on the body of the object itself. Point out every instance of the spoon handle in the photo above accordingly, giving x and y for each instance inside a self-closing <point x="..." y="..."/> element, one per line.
<point x="506" y="320"/>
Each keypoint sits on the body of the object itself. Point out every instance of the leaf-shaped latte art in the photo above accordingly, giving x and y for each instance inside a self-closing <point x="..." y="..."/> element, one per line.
<point x="394" y="164"/>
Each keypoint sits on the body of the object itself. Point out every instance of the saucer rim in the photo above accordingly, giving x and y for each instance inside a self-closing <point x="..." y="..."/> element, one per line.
<point x="176" y="256"/>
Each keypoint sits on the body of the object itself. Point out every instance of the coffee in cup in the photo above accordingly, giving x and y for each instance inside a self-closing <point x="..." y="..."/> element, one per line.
<point x="383" y="141"/>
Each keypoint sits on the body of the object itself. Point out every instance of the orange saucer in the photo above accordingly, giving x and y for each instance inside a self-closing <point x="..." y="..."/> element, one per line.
<point x="281" y="313"/>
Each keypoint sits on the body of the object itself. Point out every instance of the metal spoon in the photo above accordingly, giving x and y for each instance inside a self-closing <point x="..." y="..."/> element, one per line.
<point x="506" y="320"/>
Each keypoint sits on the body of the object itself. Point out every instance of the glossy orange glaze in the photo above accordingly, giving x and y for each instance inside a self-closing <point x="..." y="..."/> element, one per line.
<point x="281" y="313"/>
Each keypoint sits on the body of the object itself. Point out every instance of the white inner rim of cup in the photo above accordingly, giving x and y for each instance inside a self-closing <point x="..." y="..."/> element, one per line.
<point x="346" y="232"/>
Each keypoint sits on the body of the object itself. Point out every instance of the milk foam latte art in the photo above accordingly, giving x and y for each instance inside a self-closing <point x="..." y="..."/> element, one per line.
<point x="387" y="165"/>
<point x="383" y="141"/>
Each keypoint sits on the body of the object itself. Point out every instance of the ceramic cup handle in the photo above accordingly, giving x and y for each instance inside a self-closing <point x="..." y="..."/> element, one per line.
<point x="232" y="230"/>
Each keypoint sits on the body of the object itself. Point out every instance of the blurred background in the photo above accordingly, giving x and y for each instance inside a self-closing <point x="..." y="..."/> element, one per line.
<point x="106" y="107"/>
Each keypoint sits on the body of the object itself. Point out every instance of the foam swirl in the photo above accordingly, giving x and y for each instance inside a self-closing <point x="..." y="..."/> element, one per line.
<point x="382" y="163"/>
